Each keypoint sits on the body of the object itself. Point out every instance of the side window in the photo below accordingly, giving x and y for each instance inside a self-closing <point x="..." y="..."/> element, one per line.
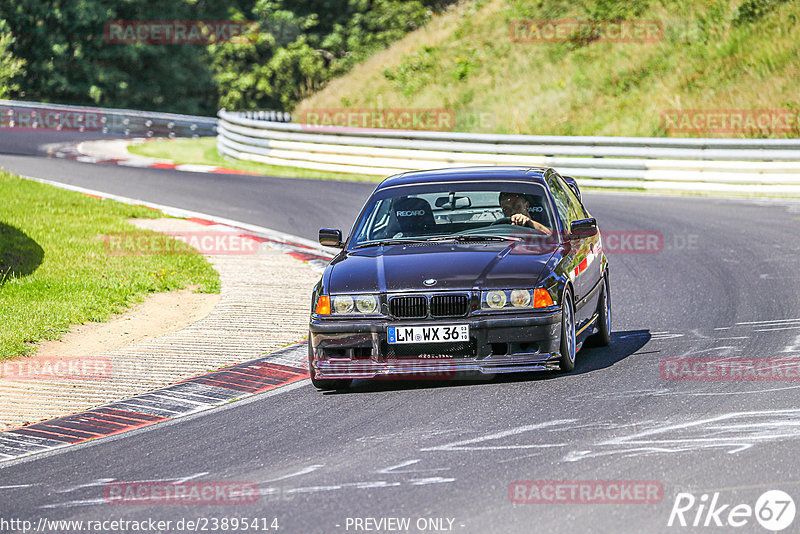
<point x="375" y="221"/>
<point x="562" y="202"/>
<point x="576" y="208"/>
<point x="380" y="221"/>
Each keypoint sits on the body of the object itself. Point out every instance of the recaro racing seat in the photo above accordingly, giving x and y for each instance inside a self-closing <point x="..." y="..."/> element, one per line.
<point x="537" y="211"/>
<point x="412" y="216"/>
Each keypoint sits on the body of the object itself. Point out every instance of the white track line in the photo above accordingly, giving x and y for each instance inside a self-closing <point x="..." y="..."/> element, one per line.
<point x="180" y="212"/>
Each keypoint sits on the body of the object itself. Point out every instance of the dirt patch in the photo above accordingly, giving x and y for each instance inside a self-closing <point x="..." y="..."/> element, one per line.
<point x="159" y="314"/>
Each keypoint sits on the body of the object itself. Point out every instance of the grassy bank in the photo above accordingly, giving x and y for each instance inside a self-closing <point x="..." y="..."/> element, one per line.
<point x="55" y="271"/>
<point x="203" y="151"/>
<point x="711" y="55"/>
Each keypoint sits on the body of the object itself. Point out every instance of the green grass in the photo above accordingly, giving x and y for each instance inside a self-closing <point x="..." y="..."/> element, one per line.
<point x="714" y="54"/>
<point x="203" y="151"/>
<point x="55" y="271"/>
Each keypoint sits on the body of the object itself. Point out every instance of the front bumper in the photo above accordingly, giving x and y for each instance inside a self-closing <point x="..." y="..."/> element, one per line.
<point x="499" y="344"/>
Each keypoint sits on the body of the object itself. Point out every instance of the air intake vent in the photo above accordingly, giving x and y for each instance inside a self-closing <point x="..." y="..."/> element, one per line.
<point x="409" y="307"/>
<point x="449" y="305"/>
<point x="463" y="349"/>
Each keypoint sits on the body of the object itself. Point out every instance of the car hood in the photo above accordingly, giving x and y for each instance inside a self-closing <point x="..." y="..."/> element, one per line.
<point x="453" y="266"/>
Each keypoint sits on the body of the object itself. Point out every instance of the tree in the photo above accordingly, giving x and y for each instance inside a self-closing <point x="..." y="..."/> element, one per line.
<point x="69" y="60"/>
<point x="10" y="66"/>
<point x="298" y="47"/>
<point x="303" y="45"/>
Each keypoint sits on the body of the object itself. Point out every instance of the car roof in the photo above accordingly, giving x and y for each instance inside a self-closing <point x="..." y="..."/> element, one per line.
<point x="526" y="174"/>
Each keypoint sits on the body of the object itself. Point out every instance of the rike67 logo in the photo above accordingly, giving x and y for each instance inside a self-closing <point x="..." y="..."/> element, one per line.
<point x="774" y="510"/>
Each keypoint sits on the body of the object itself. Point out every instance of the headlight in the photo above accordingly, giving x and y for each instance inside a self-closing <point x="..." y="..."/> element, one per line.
<point x="509" y="299"/>
<point x="521" y="298"/>
<point x="343" y="304"/>
<point x="495" y="299"/>
<point x="366" y="303"/>
<point x="355" y="304"/>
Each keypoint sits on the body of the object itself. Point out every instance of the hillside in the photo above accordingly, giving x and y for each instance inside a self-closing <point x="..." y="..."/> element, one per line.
<point x="709" y="55"/>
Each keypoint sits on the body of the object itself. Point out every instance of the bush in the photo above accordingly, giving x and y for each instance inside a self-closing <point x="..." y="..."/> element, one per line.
<point x="752" y="10"/>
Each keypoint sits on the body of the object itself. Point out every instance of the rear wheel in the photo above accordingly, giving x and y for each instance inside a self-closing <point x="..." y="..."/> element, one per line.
<point x="327" y="384"/>
<point x="567" y="361"/>
<point x="603" y="336"/>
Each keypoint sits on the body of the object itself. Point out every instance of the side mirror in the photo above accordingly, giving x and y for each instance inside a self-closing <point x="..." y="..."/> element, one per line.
<point x="583" y="228"/>
<point x="328" y="237"/>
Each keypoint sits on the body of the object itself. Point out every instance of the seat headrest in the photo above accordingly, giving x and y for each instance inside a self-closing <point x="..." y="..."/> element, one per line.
<point x="536" y="203"/>
<point x="413" y="215"/>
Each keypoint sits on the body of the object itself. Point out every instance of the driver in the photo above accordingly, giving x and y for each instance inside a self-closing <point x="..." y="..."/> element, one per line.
<point x="516" y="206"/>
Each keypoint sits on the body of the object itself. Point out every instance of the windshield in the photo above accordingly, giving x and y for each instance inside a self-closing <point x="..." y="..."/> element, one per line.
<point x="441" y="211"/>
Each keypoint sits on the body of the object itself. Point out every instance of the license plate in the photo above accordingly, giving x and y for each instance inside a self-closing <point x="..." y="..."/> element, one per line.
<point x="428" y="334"/>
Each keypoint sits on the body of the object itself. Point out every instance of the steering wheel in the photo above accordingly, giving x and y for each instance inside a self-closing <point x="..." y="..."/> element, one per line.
<point x="502" y="220"/>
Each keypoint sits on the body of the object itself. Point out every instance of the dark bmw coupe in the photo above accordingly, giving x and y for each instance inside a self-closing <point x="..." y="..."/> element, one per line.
<point x="478" y="270"/>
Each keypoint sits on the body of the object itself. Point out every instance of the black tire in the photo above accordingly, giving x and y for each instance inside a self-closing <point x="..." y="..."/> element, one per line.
<point x="567" y="362"/>
<point x="603" y="336"/>
<point x="325" y="384"/>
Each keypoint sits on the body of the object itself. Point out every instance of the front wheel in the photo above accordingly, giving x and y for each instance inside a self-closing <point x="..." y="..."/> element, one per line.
<point x="567" y="361"/>
<point x="325" y="384"/>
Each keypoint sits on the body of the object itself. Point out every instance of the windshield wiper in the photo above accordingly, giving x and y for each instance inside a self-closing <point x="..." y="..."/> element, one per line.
<point x="484" y="237"/>
<point x="460" y="238"/>
<point x="390" y="242"/>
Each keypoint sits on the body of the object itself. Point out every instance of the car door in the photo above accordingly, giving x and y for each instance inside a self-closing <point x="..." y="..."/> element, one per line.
<point x="582" y="263"/>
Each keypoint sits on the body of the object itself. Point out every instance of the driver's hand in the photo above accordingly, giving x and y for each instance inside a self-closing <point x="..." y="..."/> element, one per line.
<point x="521" y="220"/>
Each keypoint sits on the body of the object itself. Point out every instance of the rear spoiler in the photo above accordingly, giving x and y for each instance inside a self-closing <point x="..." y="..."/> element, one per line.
<point x="573" y="185"/>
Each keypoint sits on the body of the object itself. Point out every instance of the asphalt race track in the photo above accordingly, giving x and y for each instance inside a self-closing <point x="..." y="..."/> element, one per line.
<point x="722" y="283"/>
<point x="289" y="205"/>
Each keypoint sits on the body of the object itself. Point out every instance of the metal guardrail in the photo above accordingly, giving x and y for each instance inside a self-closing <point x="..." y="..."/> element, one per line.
<point x="267" y="115"/>
<point x="613" y="160"/>
<point x="32" y="116"/>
